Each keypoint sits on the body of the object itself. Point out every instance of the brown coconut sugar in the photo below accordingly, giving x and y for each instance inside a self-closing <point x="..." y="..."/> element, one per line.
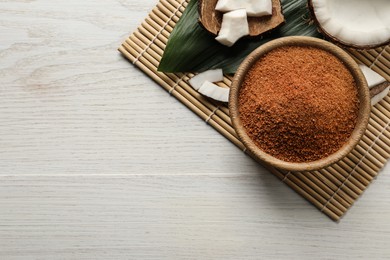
<point x="299" y="104"/>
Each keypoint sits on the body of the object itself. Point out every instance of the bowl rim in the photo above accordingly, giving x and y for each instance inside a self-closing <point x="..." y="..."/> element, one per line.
<point x="363" y="94"/>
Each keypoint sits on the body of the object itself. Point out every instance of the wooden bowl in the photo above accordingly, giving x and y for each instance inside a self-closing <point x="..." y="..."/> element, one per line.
<point x="363" y="95"/>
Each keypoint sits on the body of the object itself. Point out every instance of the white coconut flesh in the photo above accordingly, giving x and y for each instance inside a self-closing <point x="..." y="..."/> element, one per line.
<point x="375" y="99"/>
<point x="214" y="91"/>
<point x="255" y="8"/>
<point x="209" y="75"/>
<point x="373" y="78"/>
<point x="356" y="23"/>
<point x="234" y="26"/>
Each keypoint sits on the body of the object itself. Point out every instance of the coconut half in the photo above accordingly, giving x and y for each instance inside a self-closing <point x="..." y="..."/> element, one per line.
<point x="211" y="19"/>
<point x="360" y="24"/>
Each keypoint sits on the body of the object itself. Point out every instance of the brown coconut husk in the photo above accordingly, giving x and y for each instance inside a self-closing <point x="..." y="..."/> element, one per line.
<point x="379" y="88"/>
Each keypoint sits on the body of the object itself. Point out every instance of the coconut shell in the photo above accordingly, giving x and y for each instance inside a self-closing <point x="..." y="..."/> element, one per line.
<point x="378" y="88"/>
<point x="335" y="39"/>
<point x="211" y="19"/>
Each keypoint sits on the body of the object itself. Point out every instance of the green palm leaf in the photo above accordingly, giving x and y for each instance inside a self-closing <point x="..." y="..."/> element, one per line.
<point x="190" y="48"/>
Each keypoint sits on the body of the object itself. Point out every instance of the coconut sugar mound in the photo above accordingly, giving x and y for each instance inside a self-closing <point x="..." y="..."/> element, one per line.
<point x="299" y="104"/>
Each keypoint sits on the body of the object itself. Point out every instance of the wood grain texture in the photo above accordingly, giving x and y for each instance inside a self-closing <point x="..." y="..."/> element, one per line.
<point x="182" y="217"/>
<point x="97" y="161"/>
<point x="71" y="103"/>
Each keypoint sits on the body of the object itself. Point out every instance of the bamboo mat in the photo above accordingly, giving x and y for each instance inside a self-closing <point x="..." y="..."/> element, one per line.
<point x="332" y="190"/>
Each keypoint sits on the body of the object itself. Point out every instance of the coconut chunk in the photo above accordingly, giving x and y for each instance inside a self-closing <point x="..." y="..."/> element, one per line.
<point x="258" y="8"/>
<point x="209" y="75"/>
<point x="215" y="92"/>
<point x="230" y="5"/>
<point x="254" y="8"/>
<point x="211" y="19"/>
<point x="378" y="97"/>
<point x="354" y="23"/>
<point x="234" y="26"/>
<point x="378" y="85"/>
<point x="373" y="78"/>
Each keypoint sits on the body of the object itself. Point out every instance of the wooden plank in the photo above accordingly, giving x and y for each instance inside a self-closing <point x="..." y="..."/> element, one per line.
<point x="201" y="216"/>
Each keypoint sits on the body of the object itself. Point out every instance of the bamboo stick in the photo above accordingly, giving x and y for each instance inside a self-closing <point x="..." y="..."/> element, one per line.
<point x="368" y="146"/>
<point x="379" y="114"/>
<point x="323" y="202"/>
<point x="378" y="67"/>
<point x="328" y="180"/>
<point x="350" y="171"/>
<point x="368" y="166"/>
<point x="368" y="149"/>
<point x="386" y="105"/>
<point x="381" y="137"/>
<point x="382" y="52"/>
<point x="360" y="151"/>
<point x="336" y="179"/>
<point x="344" y="177"/>
<point x="348" y="188"/>
<point x="378" y="124"/>
<point x="291" y="179"/>
<point x="321" y="190"/>
<point x="375" y="58"/>
<point x="324" y="185"/>
<point x="306" y="195"/>
<point x="341" y="194"/>
<point x="362" y="59"/>
<point x="362" y="175"/>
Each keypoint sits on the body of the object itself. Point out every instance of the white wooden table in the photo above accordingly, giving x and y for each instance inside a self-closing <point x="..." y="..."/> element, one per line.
<point x="98" y="162"/>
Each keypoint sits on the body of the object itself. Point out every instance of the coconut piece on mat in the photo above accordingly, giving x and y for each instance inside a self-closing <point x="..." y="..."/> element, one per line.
<point x="381" y="95"/>
<point x="354" y="23"/>
<point x="234" y="26"/>
<point x="215" y="92"/>
<point x="255" y="8"/>
<point x="378" y="85"/>
<point x="209" y="75"/>
<point x="371" y="76"/>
